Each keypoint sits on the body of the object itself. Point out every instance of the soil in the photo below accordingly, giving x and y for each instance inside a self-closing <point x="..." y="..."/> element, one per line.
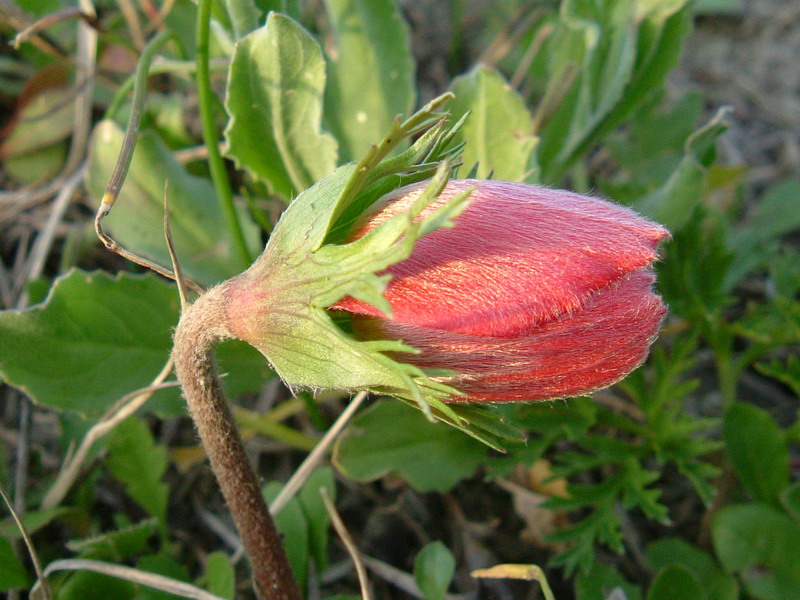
<point x="749" y="60"/>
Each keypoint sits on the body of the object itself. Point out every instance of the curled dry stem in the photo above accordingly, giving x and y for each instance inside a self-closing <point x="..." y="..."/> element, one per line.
<point x="124" y="162"/>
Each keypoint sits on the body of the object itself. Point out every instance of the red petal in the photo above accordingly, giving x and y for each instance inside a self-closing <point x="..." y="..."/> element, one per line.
<point x="519" y="256"/>
<point x="574" y="355"/>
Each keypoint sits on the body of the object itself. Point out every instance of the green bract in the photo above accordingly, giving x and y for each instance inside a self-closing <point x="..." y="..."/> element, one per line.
<point x="279" y="305"/>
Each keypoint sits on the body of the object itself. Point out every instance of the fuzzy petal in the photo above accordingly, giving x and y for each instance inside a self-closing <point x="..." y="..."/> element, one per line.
<point x="519" y="256"/>
<point x="570" y="356"/>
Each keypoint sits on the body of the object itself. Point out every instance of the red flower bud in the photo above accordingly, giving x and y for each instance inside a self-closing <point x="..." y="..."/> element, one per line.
<point x="535" y="293"/>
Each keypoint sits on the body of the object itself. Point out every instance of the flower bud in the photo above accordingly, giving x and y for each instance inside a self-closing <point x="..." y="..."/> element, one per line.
<point x="534" y="294"/>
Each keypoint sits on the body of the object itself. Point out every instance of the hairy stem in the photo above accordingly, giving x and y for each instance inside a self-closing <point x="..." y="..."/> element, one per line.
<point x="201" y="327"/>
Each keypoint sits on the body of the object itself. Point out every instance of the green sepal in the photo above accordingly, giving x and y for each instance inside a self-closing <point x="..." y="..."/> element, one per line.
<point x="306" y="224"/>
<point x="301" y="273"/>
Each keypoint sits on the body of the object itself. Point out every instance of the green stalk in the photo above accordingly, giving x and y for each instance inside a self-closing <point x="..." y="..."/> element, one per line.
<point x="171" y="67"/>
<point x="721" y="342"/>
<point x="206" y="99"/>
<point x="262" y="424"/>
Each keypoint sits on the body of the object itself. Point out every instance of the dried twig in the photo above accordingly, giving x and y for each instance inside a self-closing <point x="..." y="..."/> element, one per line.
<point x="349" y="544"/>
<point x="37" y="566"/>
<point x="312" y="460"/>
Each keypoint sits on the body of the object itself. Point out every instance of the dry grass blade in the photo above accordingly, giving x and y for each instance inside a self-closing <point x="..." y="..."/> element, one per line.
<point x="112" y="245"/>
<point x="508" y="571"/>
<point x="314" y="458"/>
<point x="151" y="580"/>
<point x="44" y="241"/>
<point x="14" y="202"/>
<point x="163" y="13"/>
<point x="66" y="14"/>
<point x="349" y="544"/>
<point x="402" y="580"/>
<point x="29" y="543"/>
<point x="17" y="18"/>
<point x="516" y="27"/>
<point x="176" y="265"/>
<point x="132" y="19"/>
<point x="128" y="405"/>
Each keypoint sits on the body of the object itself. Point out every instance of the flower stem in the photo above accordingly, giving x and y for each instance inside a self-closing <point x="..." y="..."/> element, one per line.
<point x="215" y="163"/>
<point x="200" y="329"/>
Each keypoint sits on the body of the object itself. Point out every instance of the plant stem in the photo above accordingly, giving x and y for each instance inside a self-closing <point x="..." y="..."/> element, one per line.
<point x="201" y="327"/>
<point x="215" y="164"/>
<point x="137" y="108"/>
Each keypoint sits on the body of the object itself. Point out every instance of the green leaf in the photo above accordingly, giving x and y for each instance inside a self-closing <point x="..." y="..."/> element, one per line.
<point x="45" y="119"/>
<point x="592" y="583"/>
<point x="95" y="339"/>
<point x="36" y="166"/>
<point x="86" y="585"/>
<point x="371" y="72"/>
<point x="598" y="45"/>
<point x="761" y="545"/>
<point x="774" y="216"/>
<point x="294" y="529"/>
<point x="619" y="54"/>
<point x="663" y="24"/>
<point x="389" y="437"/>
<point x="33" y="521"/>
<point x="791" y="500"/>
<point x="692" y="275"/>
<point x="119" y="545"/>
<point x="161" y="564"/>
<point x="757" y="452"/>
<point x="674" y="202"/>
<point x="675" y="581"/>
<point x="275" y="88"/>
<point x="717" y="585"/>
<point x="136" y="461"/>
<point x="201" y="239"/>
<point x="293" y="8"/>
<point x="498" y="131"/>
<point x="244" y="368"/>
<point x="771" y="324"/>
<point x="784" y="269"/>
<point x="720" y="7"/>
<point x="13" y="574"/>
<point x="433" y="570"/>
<point x="220" y="576"/>
<point x="316" y="515"/>
<point x="244" y="15"/>
<point x="653" y="143"/>
<point x="571" y="419"/>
